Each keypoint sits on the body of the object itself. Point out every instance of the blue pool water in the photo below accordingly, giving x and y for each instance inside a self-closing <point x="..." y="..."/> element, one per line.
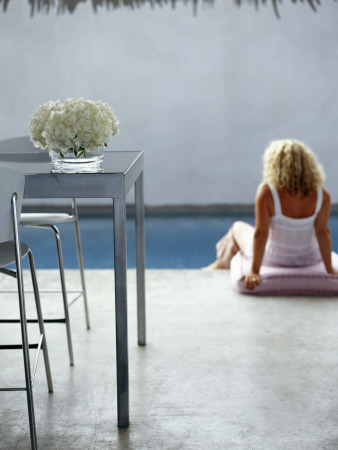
<point x="172" y="241"/>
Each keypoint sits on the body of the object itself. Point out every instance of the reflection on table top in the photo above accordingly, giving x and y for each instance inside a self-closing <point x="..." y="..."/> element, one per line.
<point x="120" y="171"/>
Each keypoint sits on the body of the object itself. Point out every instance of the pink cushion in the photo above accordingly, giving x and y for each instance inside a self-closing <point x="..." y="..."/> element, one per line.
<point x="307" y="280"/>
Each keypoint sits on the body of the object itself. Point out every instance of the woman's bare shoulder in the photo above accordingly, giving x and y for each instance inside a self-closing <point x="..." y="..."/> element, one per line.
<point x="326" y="196"/>
<point x="263" y="191"/>
<point x="264" y="199"/>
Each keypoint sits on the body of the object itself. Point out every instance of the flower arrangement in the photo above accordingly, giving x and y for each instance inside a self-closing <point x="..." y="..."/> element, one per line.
<point x="75" y="126"/>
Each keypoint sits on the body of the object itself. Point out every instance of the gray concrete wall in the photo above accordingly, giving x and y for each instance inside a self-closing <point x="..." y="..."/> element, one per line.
<point x="202" y="94"/>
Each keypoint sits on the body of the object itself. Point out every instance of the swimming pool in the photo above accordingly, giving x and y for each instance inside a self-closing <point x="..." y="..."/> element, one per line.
<point x="173" y="241"/>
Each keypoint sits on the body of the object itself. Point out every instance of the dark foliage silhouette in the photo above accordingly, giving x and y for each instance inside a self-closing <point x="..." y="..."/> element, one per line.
<point x="64" y="6"/>
<point x="312" y="3"/>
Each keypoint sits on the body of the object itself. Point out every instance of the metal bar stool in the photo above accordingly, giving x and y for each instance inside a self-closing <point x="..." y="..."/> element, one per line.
<point x="12" y="251"/>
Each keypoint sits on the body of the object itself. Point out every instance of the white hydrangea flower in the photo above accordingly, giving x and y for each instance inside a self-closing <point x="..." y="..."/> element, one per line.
<point x="76" y="126"/>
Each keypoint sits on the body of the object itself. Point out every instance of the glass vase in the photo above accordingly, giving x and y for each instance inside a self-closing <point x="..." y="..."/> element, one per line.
<point x="88" y="162"/>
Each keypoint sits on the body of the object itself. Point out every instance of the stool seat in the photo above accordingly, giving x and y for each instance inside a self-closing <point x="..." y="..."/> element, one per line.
<point x="7" y="252"/>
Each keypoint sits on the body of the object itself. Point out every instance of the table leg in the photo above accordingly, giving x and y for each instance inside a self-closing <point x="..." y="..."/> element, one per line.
<point x="120" y="268"/>
<point x="140" y="260"/>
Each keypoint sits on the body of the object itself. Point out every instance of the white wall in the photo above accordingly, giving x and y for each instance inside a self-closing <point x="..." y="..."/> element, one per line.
<point x="201" y="94"/>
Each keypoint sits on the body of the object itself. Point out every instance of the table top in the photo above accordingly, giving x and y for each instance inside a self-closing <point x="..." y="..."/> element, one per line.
<point x="120" y="171"/>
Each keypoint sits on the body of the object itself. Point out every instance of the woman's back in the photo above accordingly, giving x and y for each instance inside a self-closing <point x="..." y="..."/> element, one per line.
<point x="292" y="240"/>
<point x="297" y="207"/>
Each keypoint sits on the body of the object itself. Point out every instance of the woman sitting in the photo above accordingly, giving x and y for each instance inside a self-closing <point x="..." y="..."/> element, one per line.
<point x="292" y="210"/>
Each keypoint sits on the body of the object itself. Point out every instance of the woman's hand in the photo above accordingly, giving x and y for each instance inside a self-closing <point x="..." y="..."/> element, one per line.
<point x="251" y="280"/>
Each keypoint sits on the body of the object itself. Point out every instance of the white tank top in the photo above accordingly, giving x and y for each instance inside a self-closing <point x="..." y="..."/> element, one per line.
<point x="292" y="242"/>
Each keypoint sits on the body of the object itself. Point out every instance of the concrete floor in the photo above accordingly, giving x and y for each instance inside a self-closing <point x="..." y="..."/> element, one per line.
<point x="220" y="370"/>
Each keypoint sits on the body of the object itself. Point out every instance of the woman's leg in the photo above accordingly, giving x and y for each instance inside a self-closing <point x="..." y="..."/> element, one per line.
<point x="235" y="240"/>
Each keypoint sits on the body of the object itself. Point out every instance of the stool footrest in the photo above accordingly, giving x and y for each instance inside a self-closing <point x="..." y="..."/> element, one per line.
<point x="13" y="389"/>
<point x="16" y="346"/>
<point x="62" y="320"/>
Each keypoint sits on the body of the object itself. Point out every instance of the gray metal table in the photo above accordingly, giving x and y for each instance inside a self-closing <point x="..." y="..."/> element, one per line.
<point x="121" y="171"/>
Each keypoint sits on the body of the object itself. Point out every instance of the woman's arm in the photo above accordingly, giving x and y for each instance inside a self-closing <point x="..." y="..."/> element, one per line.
<point x="263" y="212"/>
<point x="323" y="233"/>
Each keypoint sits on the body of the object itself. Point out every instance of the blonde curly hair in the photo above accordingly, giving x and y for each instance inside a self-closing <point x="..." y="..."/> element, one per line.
<point x="291" y="166"/>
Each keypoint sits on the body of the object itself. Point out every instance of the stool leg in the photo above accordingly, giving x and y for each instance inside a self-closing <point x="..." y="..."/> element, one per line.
<point x="40" y="320"/>
<point x="23" y="325"/>
<point x="28" y="375"/>
<point x="64" y="291"/>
